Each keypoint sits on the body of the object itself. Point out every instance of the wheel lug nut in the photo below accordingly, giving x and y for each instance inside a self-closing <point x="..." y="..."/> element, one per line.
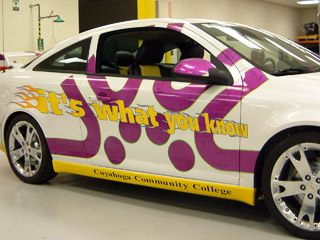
<point x="303" y="187"/>
<point x="319" y="192"/>
<point x="318" y="180"/>
<point x="308" y="178"/>
<point x="310" y="196"/>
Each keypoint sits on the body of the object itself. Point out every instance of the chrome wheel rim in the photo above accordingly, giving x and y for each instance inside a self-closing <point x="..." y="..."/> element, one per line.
<point x="25" y="149"/>
<point x="295" y="186"/>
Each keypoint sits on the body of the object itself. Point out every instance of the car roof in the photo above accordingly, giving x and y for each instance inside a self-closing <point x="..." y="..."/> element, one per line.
<point x="145" y="22"/>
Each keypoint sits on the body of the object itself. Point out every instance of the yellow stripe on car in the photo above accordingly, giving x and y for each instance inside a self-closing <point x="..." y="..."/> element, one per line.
<point x="243" y="194"/>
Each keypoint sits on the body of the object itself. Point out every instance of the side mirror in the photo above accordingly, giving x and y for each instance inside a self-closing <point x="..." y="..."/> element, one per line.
<point x="198" y="68"/>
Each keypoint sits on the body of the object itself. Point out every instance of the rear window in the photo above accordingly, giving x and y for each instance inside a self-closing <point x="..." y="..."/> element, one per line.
<point x="71" y="59"/>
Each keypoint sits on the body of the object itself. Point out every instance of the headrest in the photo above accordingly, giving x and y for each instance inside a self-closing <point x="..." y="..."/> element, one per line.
<point x="124" y="58"/>
<point x="113" y="44"/>
<point x="149" y="53"/>
<point x="192" y="51"/>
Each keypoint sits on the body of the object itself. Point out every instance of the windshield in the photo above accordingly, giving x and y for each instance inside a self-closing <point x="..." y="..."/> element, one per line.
<point x="272" y="54"/>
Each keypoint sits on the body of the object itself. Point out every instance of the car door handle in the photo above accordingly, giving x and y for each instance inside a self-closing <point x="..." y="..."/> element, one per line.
<point x="104" y="98"/>
<point x="94" y="98"/>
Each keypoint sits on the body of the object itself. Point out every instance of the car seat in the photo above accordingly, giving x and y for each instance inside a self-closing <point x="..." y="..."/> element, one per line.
<point x="147" y="60"/>
<point x="191" y="51"/>
<point x="124" y="60"/>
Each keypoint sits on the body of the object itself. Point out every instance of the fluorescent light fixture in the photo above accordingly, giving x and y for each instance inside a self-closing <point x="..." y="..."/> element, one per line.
<point x="308" y="2"/>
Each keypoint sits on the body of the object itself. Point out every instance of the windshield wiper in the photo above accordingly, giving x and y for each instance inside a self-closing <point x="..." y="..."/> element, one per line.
<point x="291" y="71"/>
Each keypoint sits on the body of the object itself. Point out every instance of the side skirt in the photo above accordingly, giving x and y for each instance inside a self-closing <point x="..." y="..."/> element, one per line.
<point x="242" y="194"/>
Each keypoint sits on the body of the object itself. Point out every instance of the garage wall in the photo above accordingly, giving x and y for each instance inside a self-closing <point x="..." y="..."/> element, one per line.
<point x="309" y="15"/>
<point x="283" y="20"/>
<point x="21" y="27"/>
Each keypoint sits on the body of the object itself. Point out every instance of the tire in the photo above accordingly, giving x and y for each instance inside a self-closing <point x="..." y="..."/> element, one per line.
<point x="291" y="184"/>
<point x="27" y="150"/>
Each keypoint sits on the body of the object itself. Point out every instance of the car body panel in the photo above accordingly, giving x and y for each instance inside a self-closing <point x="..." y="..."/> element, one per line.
<point x="185" y="147"/>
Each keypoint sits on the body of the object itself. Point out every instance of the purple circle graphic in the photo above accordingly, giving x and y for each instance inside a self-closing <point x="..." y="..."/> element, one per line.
<point x="130" y="132"/>
<point x="157" y="135"/>
<point x="181" y="156"/>
<point x="115" y="150"/>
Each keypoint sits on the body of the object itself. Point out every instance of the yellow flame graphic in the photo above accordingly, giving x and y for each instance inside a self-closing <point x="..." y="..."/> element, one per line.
<point x="32" y="94"/>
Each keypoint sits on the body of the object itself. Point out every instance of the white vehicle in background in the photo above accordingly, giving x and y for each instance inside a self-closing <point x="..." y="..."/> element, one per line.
<point x="6" y="63"/>
<point x="199" y="106"/>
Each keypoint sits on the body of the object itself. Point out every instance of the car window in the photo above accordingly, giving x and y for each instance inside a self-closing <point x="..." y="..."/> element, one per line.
<point x="271" y="53"/>
<point x="116" y="53"/>
<point x="146" y="52"/>
<point x="175" y="56"/>
<point x="71" y="59"/>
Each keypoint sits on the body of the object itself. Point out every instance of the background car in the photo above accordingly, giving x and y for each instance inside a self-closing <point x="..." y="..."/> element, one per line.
<point x="199" y="106"/>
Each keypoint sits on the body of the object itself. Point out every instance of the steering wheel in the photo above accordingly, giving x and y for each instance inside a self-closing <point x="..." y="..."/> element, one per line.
<point x="268" y="66"/>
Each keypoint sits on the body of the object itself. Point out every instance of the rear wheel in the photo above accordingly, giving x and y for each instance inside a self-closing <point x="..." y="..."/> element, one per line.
<point x="291" y="184"/>
<point x="27" y="150"/>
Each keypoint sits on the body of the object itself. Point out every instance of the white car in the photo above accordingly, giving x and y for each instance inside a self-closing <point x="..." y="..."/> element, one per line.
<point x="197" y="106"/>
<point x="6" y="64"/>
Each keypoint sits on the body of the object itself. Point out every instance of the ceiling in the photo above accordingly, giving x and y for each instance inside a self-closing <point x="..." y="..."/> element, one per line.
<point x="290" y="3"/>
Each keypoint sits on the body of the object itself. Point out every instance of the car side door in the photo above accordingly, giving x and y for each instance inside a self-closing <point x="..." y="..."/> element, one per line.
<point x="155" y="122"/>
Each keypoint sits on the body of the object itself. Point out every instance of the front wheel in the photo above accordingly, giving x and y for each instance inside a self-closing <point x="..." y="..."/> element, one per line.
<point x="291" y="184"/>
<point x="27" y="150"/>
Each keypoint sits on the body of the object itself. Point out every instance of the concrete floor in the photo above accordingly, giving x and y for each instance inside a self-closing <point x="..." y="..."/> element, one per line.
<point x="75" y="207"/>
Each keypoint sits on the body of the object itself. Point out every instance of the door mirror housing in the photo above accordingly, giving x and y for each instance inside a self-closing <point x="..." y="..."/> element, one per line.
<point x="198" y="68"/>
